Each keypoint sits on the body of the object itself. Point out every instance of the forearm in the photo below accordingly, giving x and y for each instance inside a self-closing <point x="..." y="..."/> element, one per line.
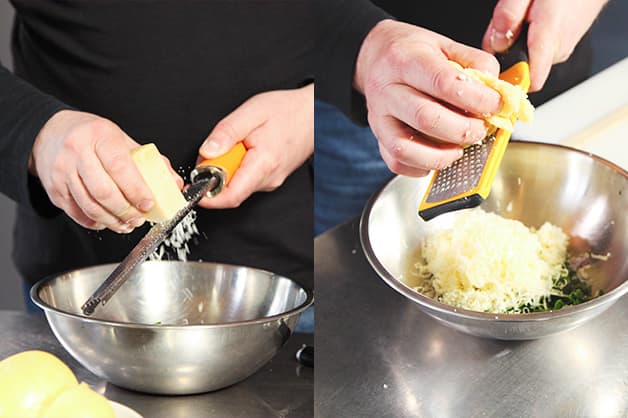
<point x="23" y="112"/>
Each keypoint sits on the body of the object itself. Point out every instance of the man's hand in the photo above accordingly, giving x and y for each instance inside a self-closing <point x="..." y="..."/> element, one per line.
<point x="83" y="163"/>
<point x="556" y="27"/>
<point x="277" y="128"/>
<point x="420" y="108"/>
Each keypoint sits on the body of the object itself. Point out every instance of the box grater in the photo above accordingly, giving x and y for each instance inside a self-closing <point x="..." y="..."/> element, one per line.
<point x="467" y="182"/>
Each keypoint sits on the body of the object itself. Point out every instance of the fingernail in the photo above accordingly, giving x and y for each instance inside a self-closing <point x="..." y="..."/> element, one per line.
<point x="211" y="148"/>
<point x="124" y="229"/>
<point x="500" y="41"/>
<point x="136" y="222"/>
<point x="146" y="205"/>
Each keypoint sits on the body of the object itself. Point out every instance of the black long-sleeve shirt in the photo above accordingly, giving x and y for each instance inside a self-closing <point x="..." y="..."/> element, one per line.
<point x="165" y="72"/>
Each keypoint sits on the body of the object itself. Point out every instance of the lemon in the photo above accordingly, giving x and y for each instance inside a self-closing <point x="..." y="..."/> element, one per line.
<point x="29" y="380"/>
<point x="79" y="402"/>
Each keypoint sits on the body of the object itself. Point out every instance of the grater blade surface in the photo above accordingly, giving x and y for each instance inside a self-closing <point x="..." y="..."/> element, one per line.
<point x="464" y="174"/>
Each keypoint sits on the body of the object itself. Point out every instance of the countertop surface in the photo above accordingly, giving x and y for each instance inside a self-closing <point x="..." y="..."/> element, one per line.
<point x="282" y="388"/>
<point x="378" y="355"/>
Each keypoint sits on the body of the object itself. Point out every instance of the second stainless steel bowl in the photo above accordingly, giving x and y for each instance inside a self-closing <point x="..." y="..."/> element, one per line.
<point x="586" y="196"/>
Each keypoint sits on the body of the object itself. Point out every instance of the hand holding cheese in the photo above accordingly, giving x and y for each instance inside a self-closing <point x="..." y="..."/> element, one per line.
<point x="36" y="384"/>
<point x="84" y="163"/>
<point x="515" y="103"/>
<point x="419" y="107"/>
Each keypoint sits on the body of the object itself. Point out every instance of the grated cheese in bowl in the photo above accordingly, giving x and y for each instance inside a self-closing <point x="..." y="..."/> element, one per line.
<point x="488" y="263"/>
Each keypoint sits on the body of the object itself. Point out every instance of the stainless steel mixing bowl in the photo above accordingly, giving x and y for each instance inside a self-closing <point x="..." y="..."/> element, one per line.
<point x="585" y="195"/>
<point x="174" y="327"/>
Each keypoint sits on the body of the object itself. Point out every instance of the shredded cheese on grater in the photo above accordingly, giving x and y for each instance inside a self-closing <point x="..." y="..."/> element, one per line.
<point x="515" y="103"/>
<point x="488" y="263"/>
<point x="177" y="243"/>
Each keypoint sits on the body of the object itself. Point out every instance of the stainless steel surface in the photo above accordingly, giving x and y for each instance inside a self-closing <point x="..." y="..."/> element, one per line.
<point x="212" y="172"/>
<point x="149" y="243"/>
<point x="174" y="327"/>
<point x="586" y="196"/>
<point x="377" y="355"/>
<point x="281" y="388"/>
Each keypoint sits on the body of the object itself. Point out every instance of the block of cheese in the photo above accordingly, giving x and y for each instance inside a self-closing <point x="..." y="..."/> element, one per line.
<point x="168" y="198"/>
<point x="515" y="103"/>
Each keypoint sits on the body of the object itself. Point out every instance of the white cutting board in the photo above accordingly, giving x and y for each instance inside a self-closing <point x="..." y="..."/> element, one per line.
<point x="592" y="116"/>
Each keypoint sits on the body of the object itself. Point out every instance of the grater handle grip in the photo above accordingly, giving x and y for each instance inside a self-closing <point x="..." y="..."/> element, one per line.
<point x="228" y="163"/>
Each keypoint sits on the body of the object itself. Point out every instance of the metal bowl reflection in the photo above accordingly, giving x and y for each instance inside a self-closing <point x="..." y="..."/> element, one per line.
<point x="585" y="195"/>
<point x="174" y="327"/>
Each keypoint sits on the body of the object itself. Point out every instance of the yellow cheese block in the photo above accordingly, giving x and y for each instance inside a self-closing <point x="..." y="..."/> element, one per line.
<point x="515" y="103"/>
<point x="168" y="198"/>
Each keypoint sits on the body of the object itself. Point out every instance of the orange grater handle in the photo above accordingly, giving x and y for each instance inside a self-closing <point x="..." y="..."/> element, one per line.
<point x="228" y="162"/>
<point x="518" y="74"/>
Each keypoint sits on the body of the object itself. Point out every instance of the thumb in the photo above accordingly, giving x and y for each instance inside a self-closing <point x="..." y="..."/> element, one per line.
<point x="504" y="28"/>
<point x="234" y="128"/>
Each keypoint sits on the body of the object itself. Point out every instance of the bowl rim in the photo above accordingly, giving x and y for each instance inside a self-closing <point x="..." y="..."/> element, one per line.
<point x="34" y="295"/>
<point x="434" y="305"/>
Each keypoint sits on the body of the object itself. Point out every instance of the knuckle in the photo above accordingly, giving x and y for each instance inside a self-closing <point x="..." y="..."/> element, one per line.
<point x="73" y="142"/>
<point x="101" y="192"/>
<point x="489" y="61"/>
<point x="441" y="81"/>
<point x="101" y="127"/>
<point x="486" y="100"/>
<point x="226" y="129"/>
<point x="92" y="211"/>
<point x="426" y="116"/>
<point x="57" y="174"/>
<point x="396" y="54"/>
<point x="374" y="86"/>
<point x="274" y="184"/>
<point x="117" y="164"/>
<point x="507" y="15"/>
<point x="57" y="198"/>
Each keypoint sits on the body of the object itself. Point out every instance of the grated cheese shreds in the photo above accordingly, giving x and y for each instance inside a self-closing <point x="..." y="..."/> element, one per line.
<point x="488" y="263"/>
<point x="177" y="243"/>
<point x="515" y="101"/>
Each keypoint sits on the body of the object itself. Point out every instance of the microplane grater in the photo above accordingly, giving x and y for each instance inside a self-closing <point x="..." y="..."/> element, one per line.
<point x="155" y="236"/>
